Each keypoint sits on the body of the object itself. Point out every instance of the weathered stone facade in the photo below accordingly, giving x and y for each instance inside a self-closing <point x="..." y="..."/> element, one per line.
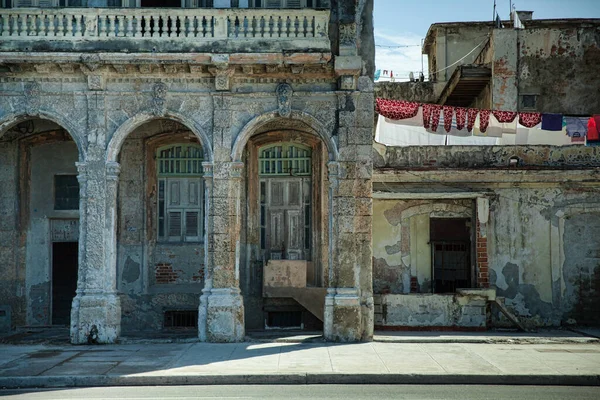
<point x="105" y="113"/>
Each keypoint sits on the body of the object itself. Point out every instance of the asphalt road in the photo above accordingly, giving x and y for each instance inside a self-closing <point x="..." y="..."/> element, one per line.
<point x="342" y="392"/>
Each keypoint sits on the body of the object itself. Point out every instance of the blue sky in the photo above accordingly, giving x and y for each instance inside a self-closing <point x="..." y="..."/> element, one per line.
<point x="405" y="22"/>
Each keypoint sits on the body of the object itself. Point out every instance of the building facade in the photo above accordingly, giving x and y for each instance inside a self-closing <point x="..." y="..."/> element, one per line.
<point x="461" y="233"/>
<point x="167" y="167"/>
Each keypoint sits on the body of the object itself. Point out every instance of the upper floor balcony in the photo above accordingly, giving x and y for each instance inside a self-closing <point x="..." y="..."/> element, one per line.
<point x="166" y="30"/>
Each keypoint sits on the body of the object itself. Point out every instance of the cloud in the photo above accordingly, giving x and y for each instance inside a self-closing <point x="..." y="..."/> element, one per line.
<point x="401" y="60"/>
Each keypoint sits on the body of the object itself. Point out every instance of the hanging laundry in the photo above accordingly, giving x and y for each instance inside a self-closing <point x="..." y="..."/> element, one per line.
<point x="396" y="109"/>
<point x="448" y="113"/>
<point x="505" y="116"/>
<point x="471" y="117"/>
<point x="576" y="128"/>
<point x="377" y="75"/>
<point x="497" y="128"/>
<point x="592" y="130"/>
<point x="530" y="119"/>
<point x="435" y="116"/>
<point x="461" y="116"/>
<point x="552" y="122"/>
<point x="484" y="120"/>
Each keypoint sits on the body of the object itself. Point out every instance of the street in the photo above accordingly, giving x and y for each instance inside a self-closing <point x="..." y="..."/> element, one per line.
<point x="345" y="392"/>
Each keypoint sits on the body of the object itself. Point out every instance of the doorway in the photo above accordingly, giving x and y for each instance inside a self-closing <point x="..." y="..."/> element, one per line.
<point x="451" y="250"/>
<point x="64" y="280"/>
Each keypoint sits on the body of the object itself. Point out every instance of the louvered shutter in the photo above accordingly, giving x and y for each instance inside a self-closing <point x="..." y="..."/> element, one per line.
<point x="273" y="3"/>
<point x="293" y="4"/>
<point x="175" y="225"/>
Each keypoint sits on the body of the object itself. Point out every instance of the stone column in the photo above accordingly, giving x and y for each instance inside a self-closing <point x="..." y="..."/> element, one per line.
<point x="208" y="260"/>
<point x="222" y="306"/>
<point x="96" y="310"/>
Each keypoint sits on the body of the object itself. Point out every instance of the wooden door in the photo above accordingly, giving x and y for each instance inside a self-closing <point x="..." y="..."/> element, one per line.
<point x="285" y="222"/>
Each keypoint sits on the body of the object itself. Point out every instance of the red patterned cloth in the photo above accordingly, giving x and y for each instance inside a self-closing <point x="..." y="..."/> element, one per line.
<point x="461" y="117"/>
<point x="395" y="109"/>
<point x="505" y="116"/>
<point x="435" y="116"/>
<point x="484" y="120"/>
<point x="530" y="119"/>
<point x="448" y="113"/>
<point x="471" y="118"/>
<point x="426" y="116"/>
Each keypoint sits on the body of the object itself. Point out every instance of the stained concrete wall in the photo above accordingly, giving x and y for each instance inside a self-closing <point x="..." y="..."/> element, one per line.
<point x="558" y="62"/>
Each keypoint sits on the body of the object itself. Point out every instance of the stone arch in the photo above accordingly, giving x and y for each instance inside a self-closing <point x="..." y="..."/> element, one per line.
<point x="10" y="120"/>
<point x="253" y="127"/>
<point x="116" y="142"/>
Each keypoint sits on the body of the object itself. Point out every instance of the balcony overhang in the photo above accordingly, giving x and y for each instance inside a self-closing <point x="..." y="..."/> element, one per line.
<point x="465" y="85"/>
<point x="131" y="30"/>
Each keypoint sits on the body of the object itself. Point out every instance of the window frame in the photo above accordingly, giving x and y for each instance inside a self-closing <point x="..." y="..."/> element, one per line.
<point x="55" y="192"/>
<point x="185" y="179"/>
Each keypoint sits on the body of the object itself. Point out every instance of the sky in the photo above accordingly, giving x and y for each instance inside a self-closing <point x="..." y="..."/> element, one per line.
<point x="405" y="23"/>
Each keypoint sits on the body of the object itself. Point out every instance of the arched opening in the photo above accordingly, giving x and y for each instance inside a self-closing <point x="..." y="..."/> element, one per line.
<point x="284" y="229"/>
<point x="161" y="231"/>
<point x="39" y="221"/>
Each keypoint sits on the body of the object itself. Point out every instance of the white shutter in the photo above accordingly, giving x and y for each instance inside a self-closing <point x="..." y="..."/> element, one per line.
<point x="293" y="4"/>
<point x="48" y="3"/>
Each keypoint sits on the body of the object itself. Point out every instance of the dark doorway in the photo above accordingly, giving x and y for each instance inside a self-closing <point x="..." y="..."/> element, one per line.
<point x="451" y="254"/>
<point x="64" y="280"/>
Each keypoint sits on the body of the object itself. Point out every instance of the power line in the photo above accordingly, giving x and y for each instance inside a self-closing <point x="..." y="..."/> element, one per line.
<point x="397" y="46"/>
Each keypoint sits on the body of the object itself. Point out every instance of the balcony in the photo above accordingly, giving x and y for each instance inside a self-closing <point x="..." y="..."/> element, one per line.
<point x="163" y="30"/>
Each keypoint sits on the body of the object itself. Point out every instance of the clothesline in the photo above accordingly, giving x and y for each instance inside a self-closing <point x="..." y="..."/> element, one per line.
<point x="456" y="119"/>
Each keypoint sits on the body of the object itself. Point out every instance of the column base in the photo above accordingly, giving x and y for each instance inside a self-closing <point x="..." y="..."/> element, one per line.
<point x="343" y="316"/>
<point x="221" y="316"/>
<point x="95" y="318"/>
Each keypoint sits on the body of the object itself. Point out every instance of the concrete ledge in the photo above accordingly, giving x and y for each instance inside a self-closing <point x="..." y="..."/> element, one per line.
<point x="297" y="379"/>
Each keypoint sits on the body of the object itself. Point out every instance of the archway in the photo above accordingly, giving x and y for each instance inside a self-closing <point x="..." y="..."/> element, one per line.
<point x="40" y="217"/>
<point x="284" y="232"/>
<point x="161" y="231"/>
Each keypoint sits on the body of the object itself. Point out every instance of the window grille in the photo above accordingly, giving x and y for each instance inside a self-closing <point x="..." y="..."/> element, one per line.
<point x="180" y="193"/>
<point x="66" y="192"/>
<point x="285" y="159"/>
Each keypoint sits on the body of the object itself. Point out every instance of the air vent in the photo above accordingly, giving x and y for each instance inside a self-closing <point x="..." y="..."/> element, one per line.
<point x="181" y="319"/>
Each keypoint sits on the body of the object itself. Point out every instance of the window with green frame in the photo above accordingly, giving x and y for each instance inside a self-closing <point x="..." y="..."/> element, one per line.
<point x="284" y="159"/>
<point x="180" y="193"/>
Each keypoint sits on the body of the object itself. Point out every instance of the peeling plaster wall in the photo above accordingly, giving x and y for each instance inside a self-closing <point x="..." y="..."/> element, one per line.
<point x="559" y="64"/>
<point x="546" y="266"/>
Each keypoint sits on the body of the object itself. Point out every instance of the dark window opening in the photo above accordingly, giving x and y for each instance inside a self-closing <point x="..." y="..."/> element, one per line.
<point x="66" y="192"/>
<point x="528" y="101"/>
<point x="284" y="319"/>
<point x="181" y="319"/>
<point x="451" y="254"/>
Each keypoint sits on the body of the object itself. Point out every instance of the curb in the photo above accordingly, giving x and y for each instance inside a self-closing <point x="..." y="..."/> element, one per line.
<point x="296" y="379"/>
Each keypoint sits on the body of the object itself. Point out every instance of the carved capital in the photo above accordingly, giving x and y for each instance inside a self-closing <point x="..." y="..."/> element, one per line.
<point x="207" y="168"/>
<point x="333" y="169"/>
<point x="82" y="172"/>
<point x="112" y="171"/>
<point x="235" y="171"/>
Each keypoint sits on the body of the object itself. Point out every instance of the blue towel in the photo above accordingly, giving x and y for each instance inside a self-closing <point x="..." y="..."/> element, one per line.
<point x="552" y="122"/>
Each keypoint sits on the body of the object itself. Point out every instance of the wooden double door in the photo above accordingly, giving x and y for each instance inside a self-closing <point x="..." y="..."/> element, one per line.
<point x="285" y="218"/>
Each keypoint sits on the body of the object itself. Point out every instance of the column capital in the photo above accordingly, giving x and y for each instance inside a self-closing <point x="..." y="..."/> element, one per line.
<point x="112" y="170"/>
<point x="333" y="169"/>
<point x="207" y="168"/>
<point x="82" y="172"/>
<point x="235" y="171"/>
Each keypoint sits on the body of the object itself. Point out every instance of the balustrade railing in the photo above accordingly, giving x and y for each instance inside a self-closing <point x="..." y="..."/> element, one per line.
<point x="192" y="24"/>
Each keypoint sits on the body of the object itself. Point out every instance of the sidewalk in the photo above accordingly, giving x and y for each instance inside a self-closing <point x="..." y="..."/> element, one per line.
<point x="300" y="363"/>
